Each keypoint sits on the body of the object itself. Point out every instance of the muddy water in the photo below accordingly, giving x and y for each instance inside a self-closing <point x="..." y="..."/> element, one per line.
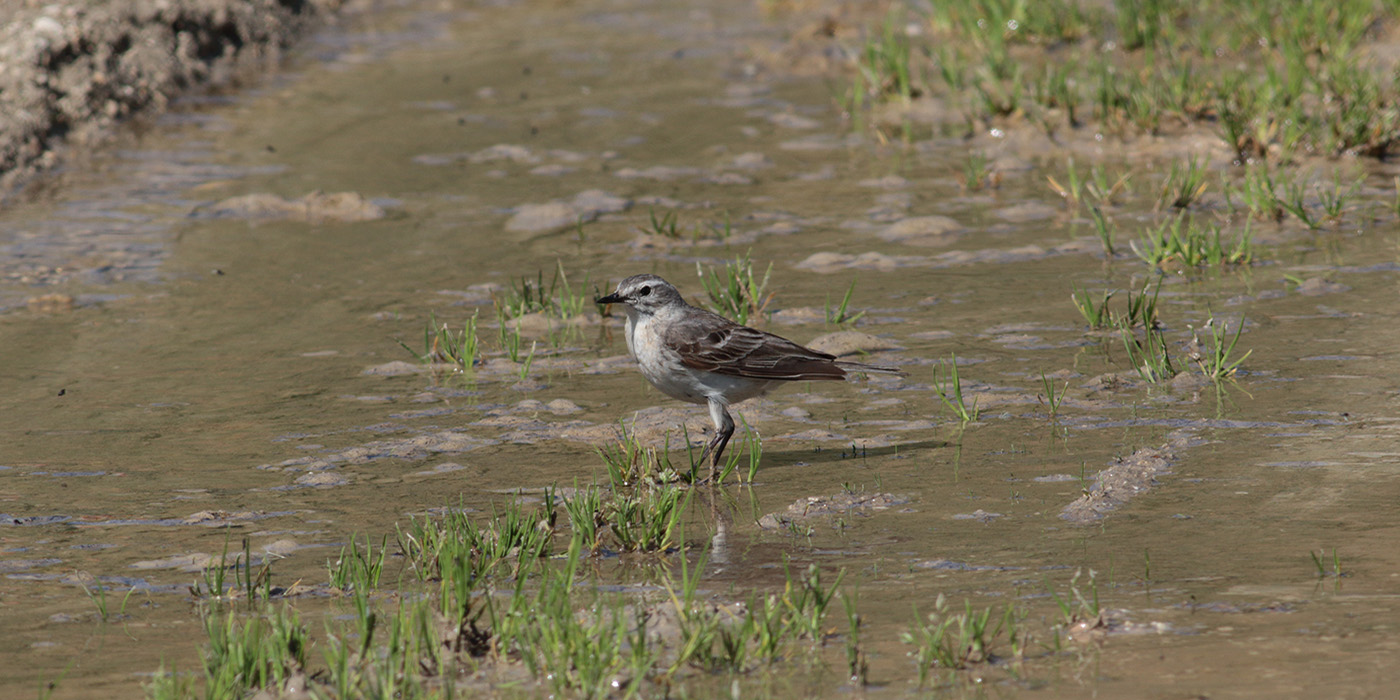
<point x="171" y="378"/>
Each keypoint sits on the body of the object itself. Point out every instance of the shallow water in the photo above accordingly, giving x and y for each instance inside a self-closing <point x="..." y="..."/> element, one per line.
<point x="221" y="372"/>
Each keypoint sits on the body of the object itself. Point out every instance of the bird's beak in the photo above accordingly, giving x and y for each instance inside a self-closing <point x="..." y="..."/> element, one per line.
<point x="609" y="299"/>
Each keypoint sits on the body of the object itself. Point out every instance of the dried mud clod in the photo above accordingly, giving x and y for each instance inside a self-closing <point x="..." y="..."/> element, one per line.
<point x="315" y="208"/>
<point x="72" y="70"/>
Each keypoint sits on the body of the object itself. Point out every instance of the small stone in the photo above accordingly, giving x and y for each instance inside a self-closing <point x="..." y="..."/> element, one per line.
<point x="397" y="368"/>
<point x="849" y="343"/>
<point x="1317" y="287"/>
<point x="321" y="479"/>
<point x="751" y="161"/>
<point x="923" y="231"/>
<point x="562" y="407"/>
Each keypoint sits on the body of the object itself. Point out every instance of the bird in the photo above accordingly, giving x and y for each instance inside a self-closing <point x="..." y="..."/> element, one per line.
<point x="700" y="357"/>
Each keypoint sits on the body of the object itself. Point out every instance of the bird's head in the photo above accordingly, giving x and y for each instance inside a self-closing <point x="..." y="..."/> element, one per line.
<point x="643" y="293"/>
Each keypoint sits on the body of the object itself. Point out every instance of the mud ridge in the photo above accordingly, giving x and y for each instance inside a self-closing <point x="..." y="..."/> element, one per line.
<point x="1130" y="476"/>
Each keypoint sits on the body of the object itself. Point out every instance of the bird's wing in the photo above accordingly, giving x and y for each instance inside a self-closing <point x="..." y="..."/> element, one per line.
<point x="724" y="347"/>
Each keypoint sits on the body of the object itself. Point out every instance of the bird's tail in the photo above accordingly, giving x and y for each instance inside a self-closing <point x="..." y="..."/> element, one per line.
<point x="861" y="367"/>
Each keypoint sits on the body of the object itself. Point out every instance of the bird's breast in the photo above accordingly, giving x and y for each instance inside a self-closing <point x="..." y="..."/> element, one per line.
<point x="661" y="365"/>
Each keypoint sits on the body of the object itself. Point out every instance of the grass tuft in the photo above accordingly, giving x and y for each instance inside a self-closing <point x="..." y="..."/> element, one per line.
<point x="840" y="316"/>
<point x="1149" y="356"/>
<point x="949" y="640"/>
<point x="442" y="346"/>
<point x="1216" y="357"/>
<point x="735" y="292"/>
<point x="950" y="391"/>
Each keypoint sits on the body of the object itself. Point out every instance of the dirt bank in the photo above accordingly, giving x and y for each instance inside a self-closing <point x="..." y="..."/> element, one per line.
<point x="71" y="70"/>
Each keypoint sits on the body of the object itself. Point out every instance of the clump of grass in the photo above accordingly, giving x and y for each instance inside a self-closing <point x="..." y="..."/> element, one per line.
<point x="840" y="316"/>
<point x="213" y="578"/>
<point x="1078" y="609"/>
<point x="97" y="593"/>
<point x="525" y="296"/>
<point x="1149" y="356"/>
<point x="1294" y="202"/>
<point x="574" y="653"/>
<point x="1245" y="124"/>
<point x="1361" y="115"/>
<point x="1180" y="244"/>
<point x="1327" y="205"/>
<point x="1096" y="313"/>
<point x="884" y="67"/>
<point x="1055" y="91"/>
<point x="631" y="463"/>
<point x="1184" y="184"/>
<point x="529" y="360"/>
<point x="568" y="301"/>
<point x="977" y="173"/>
<point x="215" y="585"/>
<point x="508" y="335"/>
<point x="584" y="509"/>
<point x="1258" y="193"/>
<point x="857" y="662"/>
<point x="357" y="569"/>
<point x="665" y="226"/>
<point x="1141" y="23"/>
<point x="646" y="519"/>
<point x="1318" y="558"/>
<point x="442" y="346"/>
<point x="735" y="292"/>
<point x="1073" y="189"/>
<point x="1141" y="309"/>
<point x="1105" y="232"/>
<point x="557" y="300"/>
<point x="1216" y="357"/>
<point x="169" y="685"/>
<point x="455" y="547"/>
<point x="1093" y="189"/>
<point x="254" y="653"/>
<point x="1000" y="97"/>
<point x="1334" y="199"/>
<point x="950" y="392"/>
<point x="722" y="232"/>
<point x="642" y="510"/>
<point x="959" y="640"/>
<point x="1052" y="398"/>
<point x="668" y="226"/>
<point x="762" y="632"/>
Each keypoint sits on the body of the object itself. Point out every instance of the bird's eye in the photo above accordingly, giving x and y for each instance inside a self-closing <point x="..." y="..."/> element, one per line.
<point x="644" y="291"/>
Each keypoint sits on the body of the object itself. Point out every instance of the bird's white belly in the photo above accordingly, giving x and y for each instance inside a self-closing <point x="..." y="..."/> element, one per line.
<point x="663" y="368"/>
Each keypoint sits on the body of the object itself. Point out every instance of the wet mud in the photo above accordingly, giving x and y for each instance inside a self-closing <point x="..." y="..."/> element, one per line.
<point x="193" y="359"/>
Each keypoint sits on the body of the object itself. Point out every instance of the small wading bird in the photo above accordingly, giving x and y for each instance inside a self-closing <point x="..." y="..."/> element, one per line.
<point x="700" y="357"/>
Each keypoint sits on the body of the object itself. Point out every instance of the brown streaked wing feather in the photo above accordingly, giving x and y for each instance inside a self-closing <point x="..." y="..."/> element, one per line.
<point x="724" y="347"/>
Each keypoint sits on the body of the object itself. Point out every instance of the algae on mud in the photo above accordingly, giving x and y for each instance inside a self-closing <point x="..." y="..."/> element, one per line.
<point x="249" y="385"/>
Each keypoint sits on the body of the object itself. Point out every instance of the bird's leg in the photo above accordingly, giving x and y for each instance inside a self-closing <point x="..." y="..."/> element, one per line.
<point x="724" y="429"/>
